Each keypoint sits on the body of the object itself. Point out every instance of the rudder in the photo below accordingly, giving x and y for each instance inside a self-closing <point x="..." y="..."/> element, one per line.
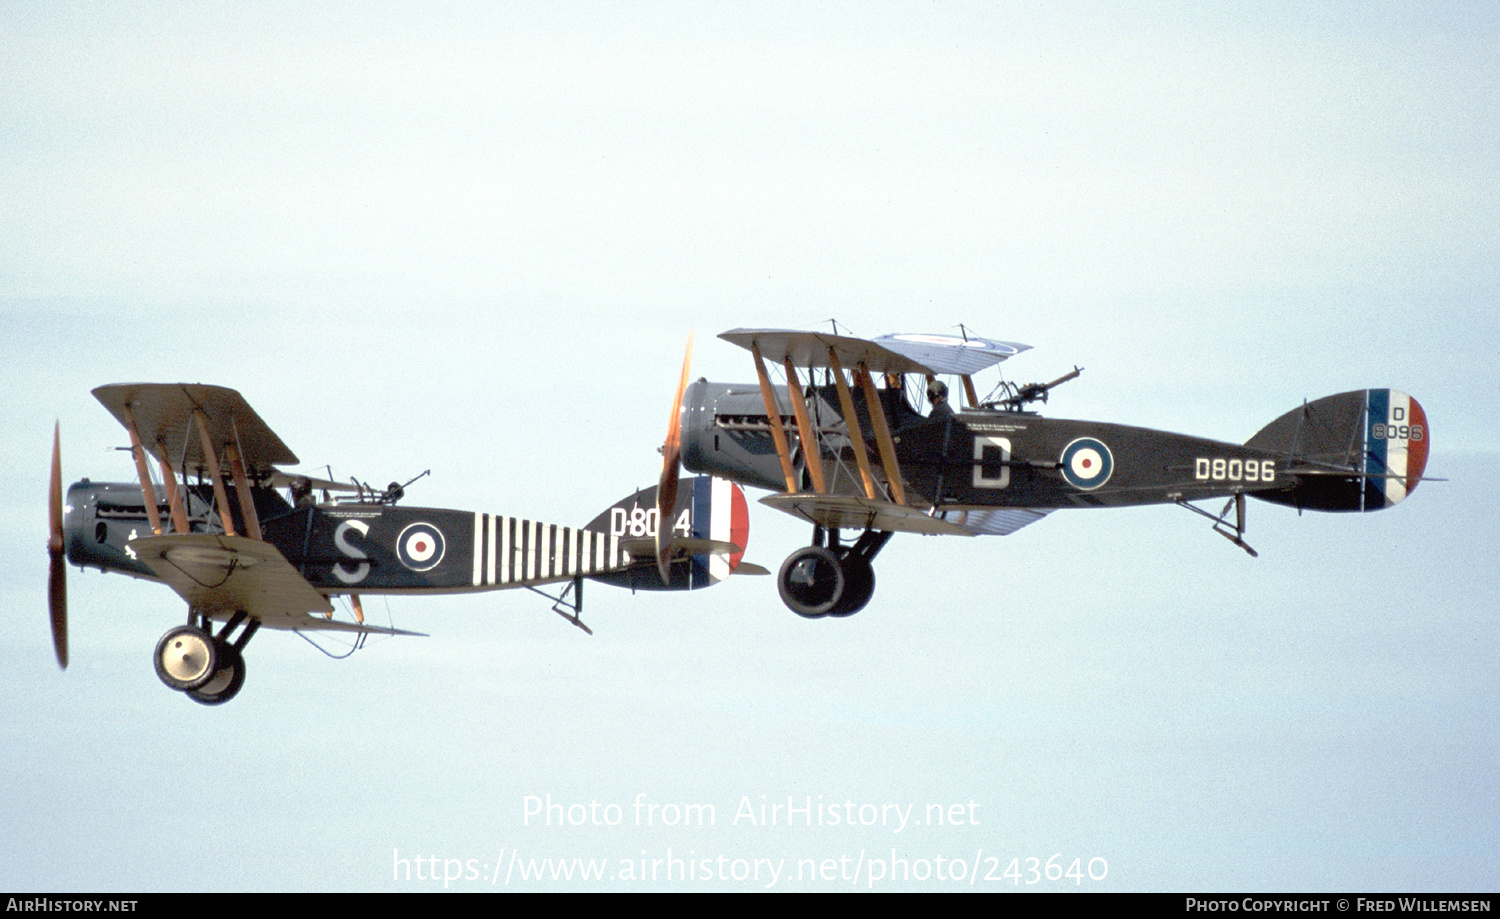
<point x="711" y="516"/>
<point x="1355" y="451"/>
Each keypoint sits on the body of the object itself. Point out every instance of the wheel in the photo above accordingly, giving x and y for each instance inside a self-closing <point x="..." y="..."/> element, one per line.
<point x="227" y="679"/>
<point x="859" y="576"/>
<point x="811" y="581"/>
<point x="186" y="658"/>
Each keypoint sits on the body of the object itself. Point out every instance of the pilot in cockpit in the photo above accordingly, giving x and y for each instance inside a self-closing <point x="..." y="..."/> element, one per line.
<point x="937" y="397"/>
<point x="302" y="491"/>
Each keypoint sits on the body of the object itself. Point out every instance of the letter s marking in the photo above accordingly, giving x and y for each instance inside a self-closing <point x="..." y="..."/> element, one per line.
<point x="340" y="539"/>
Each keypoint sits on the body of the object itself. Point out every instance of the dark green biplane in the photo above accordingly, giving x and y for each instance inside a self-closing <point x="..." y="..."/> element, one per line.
<point x="842" y="442"/>
<point x="249" y="545"/>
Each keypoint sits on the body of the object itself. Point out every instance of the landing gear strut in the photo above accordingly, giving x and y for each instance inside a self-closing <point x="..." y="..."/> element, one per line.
<point x="209" y="668"/>
<point x="833" y="579"/>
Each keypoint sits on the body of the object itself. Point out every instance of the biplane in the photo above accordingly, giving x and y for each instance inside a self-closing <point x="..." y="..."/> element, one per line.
<point x="845" y="444"/>
<point x="250" y="546"/>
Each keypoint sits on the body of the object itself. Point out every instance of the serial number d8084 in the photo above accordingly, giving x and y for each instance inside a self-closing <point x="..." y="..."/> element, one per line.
<point x="1219" y="469"/>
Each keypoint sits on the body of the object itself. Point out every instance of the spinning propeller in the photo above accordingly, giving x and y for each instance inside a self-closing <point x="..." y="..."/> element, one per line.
<point x="57" y="572"/>
<point x="671" y="467"/>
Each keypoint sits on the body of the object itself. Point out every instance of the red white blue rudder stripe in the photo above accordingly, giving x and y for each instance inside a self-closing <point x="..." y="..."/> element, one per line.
<point x="709" y="515"/>
<point x="1395" y="447"/>
<point x="720" y="514"/>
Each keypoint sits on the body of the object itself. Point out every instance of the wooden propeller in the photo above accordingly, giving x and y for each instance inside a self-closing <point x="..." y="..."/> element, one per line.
<point x="671" y="465"/>
<point x="57" y="573"/>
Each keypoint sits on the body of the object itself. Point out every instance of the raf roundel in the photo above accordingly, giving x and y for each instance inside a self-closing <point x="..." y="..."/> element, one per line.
<point x="1087" y="463"/>
<point x="420" y="547"/>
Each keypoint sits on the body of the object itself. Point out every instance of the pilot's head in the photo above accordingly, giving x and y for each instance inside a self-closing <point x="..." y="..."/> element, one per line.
<point x="301" y="488"/>
<point x="937" y="391"/>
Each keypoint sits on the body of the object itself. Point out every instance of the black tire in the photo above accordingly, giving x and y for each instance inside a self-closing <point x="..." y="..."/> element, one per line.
<point x="811" y="582"/>
<point x="227" y="680"/>
<point x="859" y="577"/>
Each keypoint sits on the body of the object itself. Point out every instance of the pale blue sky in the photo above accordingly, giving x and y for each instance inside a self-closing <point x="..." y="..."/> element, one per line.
<point x="474" y="238"/>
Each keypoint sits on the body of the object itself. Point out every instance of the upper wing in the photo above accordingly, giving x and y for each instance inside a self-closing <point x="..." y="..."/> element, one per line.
<point x="904" y="353"/>
<point x="810" y="349"/>
<point x="163" y="416"/>
<point x="222" y="575"/>
<point x="951" y="354"/>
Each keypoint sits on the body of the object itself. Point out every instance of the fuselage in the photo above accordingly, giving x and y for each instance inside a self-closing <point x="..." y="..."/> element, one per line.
<point x="362" y="547"/>
<point x="978" y="457"/>
<point x="1011" y="459"/>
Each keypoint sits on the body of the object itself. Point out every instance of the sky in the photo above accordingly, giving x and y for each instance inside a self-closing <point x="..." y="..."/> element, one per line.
<point x="474" y="238"/>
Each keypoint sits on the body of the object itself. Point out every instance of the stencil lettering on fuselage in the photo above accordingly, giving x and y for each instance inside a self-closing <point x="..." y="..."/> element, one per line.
<point x="640" y="522"/>
<point x="1233" y="469"/>
<point x="341" y="540"/>
<point x="991" y="461"/>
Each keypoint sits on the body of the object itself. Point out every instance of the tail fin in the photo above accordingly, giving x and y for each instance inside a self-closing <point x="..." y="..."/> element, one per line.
<point x="1356" y="451"/>
<point x="707" y="540"/>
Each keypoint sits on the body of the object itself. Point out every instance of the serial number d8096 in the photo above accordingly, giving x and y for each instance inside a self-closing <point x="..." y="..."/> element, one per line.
<point x="1219" y="469"/>
<point x="1396" y="431"/>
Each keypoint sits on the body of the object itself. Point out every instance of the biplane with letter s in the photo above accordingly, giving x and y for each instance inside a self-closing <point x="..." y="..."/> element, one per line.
<point x="842" y="443"/>
<point x="249" y="546"/>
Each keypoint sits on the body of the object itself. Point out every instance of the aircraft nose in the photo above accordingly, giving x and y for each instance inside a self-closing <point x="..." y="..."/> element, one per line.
<point x="691" y="422"/>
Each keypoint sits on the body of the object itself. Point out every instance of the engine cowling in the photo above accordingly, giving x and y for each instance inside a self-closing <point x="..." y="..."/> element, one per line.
<point x="725" y="432"/>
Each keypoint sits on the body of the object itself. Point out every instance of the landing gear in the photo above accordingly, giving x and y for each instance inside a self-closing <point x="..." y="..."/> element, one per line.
<point x="811" y="582"/>
<point x="186" y="658"/>
<point x="859" y="584"/>
<point x="830" y="580"/>
<point x="1234" y="532"/>
<point x="209" y="668"/>
<point x="227" y="680"/>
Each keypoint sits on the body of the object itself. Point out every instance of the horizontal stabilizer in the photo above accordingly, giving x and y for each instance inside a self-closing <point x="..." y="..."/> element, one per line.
<point x="681" y="548"/>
